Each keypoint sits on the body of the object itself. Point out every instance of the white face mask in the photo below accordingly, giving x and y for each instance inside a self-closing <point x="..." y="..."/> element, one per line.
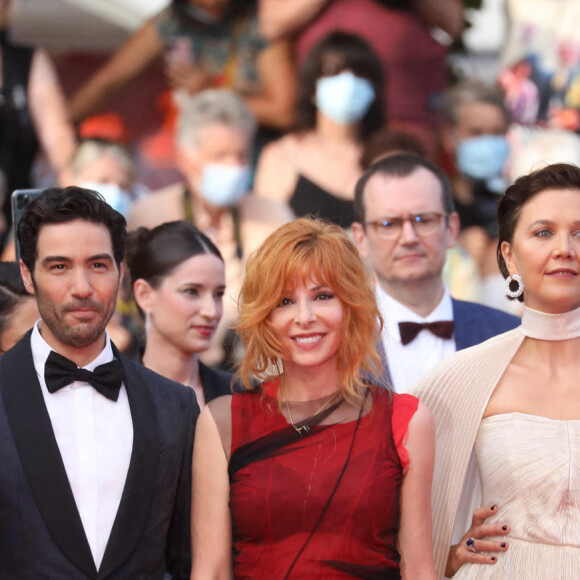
<point x="114" y="195"/>
<point x="345" y="98"/>
<point x="224" y="185"/>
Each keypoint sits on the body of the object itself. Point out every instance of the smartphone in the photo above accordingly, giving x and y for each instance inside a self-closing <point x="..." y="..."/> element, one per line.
<point x="20" y="199"/>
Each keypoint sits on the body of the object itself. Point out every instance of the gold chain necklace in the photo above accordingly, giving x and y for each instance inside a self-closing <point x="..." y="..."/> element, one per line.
<point x="306" y="428"/>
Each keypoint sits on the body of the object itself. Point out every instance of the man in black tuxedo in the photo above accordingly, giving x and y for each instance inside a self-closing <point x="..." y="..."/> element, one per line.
<point x="95" y="449"/>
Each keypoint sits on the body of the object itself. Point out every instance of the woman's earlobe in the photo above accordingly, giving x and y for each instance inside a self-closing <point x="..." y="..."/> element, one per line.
<point x="142" y="293"/>
<point x="507" y="255"/>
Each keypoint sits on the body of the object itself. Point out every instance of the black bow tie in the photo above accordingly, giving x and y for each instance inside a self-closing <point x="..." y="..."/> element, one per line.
<point x="60" y="372"/>
<point x="440" y="328"/>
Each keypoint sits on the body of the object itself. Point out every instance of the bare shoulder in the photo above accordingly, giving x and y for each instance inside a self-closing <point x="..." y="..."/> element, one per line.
<point x="276" y="174"/>
<point x="163" y="205"/>
<point x="218" y="419"/>
<point x="219" y="407"/>
<point x="420" y="443"/>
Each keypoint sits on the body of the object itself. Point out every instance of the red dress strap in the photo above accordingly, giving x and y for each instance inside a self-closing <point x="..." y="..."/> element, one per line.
<point x="404" y="407"/>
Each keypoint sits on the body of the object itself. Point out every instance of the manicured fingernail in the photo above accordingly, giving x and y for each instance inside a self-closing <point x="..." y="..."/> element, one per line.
<point x="493" y="558"/>
<point x="493" y="507"/>
<point x="503" y="544"/>
<point x="504" y="528"/>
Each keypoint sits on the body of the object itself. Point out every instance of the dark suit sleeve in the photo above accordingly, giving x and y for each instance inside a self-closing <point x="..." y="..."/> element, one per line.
<point x="178" y="548"/>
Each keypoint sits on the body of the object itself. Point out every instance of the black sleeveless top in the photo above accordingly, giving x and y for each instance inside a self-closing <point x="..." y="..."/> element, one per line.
<point x="310" y="199"/>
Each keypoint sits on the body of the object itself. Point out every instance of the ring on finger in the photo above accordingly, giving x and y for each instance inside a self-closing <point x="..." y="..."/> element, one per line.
<point x="469" y="543"/>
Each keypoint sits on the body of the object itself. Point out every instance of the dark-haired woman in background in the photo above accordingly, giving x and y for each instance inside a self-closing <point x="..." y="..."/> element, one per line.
<point x="339" y="105"/>
<point x="178" y="279"/>
<point x="18" y="310"/>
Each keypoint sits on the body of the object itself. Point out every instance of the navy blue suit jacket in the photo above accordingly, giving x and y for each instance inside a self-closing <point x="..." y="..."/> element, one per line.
<point x="474" y="323"/>
<point x="41" y="534"/>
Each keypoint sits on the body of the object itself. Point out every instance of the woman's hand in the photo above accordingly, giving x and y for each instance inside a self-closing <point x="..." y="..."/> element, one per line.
<point x="191" y="77"/>
<point x="473" y="547"/>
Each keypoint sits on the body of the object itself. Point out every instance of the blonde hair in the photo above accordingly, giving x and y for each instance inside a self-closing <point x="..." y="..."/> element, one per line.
<point x="212" y="107"/>
<point x="91" y="150"/>
<point x="302" y="250"/>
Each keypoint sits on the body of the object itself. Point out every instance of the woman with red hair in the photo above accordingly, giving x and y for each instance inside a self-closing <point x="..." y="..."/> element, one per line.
<point x="315" y="473"/>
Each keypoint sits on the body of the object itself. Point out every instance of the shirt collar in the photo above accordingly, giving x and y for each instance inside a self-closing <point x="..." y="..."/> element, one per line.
<point x="41" y="350"/>
<point x="394" y="312"/>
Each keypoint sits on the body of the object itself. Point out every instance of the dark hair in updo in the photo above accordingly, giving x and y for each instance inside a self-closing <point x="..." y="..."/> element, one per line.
<point x="555" y="176"/>
<point x="152" y="255"/>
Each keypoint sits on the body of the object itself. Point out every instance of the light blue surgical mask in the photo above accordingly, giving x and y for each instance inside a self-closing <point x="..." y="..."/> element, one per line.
<point x="484" y="158"/>
<point x="114" y="195"/>
<point x="345" y="98"/>
<point x="224" y="185"/>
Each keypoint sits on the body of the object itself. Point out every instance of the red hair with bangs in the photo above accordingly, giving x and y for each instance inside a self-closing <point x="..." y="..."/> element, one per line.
<point x="309" y="250"/>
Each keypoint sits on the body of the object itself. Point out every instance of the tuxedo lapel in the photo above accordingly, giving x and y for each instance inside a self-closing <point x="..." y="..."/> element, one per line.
<point x="139" y="489"/>
<point x="40" y="455"/>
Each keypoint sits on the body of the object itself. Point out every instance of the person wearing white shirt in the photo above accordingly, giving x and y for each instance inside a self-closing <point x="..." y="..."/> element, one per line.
<point x="405" y="223"/>
<point x="96" y="449"/>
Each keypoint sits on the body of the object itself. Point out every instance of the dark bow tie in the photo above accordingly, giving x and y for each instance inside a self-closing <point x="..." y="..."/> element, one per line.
<point x="60" y="372"/>
<point x="440" y="328"/>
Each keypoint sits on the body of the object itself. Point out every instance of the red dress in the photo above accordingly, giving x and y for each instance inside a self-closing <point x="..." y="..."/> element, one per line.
<point x="281" y="484"/>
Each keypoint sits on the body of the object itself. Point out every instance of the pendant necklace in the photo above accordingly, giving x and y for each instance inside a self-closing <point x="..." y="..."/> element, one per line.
<point x="306" y="428"/>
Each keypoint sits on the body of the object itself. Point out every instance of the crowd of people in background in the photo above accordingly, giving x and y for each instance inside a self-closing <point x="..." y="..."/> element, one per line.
<point x="326" y="242"/>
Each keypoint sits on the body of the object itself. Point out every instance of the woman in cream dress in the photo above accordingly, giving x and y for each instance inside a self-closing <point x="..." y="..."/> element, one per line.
<point x="508" y="411"/>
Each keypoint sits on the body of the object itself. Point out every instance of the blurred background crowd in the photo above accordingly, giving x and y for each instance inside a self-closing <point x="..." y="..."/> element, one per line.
<point x="238" y="115"/>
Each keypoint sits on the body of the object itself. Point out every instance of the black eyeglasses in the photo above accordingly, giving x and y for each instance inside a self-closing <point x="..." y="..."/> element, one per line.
<point x="424" y="224"/>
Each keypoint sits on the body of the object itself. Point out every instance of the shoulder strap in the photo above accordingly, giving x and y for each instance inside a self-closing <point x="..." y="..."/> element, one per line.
<point x="276" y="443"/>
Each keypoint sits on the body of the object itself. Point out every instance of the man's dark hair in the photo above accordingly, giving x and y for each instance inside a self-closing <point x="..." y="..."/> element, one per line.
<point x="63" y="205"/>
<point x="387" y="142"/>
<point x="400" y="165"/>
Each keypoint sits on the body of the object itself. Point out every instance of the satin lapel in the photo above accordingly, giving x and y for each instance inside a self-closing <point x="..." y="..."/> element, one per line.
<point x="40" y="456"/>
<point x="137" y="497"/>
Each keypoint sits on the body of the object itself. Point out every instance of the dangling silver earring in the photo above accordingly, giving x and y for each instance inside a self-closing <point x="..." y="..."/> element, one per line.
<point x="519" y="290"/>
<point x="147" y="323"/>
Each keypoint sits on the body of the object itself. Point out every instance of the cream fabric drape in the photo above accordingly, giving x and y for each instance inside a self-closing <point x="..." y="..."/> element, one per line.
<point x="457" y="391"/>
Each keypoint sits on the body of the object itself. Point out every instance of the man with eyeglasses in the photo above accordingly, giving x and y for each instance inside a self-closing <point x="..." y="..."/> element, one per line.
<point x="405" y="223"/>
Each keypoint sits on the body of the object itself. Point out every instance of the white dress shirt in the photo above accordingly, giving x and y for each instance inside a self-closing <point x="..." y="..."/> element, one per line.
<point x="95" y="439"/>
<point x="408" y="362"/>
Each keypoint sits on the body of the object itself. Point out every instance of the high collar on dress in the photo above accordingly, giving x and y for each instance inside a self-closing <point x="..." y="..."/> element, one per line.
<point x="544" y="326"/>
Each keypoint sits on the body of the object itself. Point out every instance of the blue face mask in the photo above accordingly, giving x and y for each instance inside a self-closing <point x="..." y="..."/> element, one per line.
<point x="224" y="185"/>
<point x="345" y="98"/>
<point x="483" y="158"/>
<point x="114" y="195"/>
